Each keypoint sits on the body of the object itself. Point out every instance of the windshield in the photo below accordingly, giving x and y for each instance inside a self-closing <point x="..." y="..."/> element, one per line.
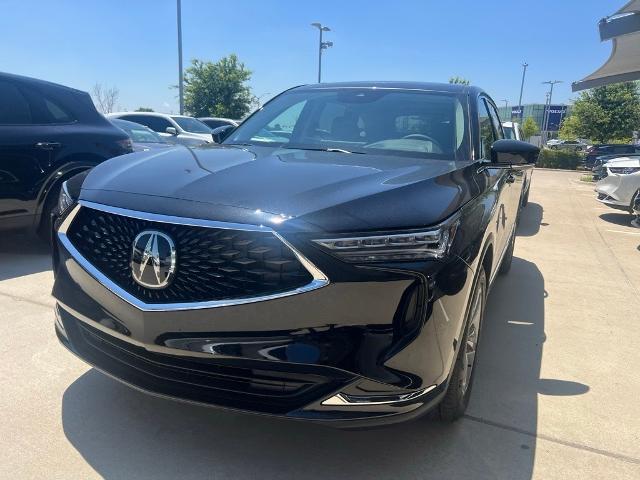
<point x="191" y="125"/>
<point x="508" y="132"/>
<point x="139" y="133"/>
<point x="362" y="120"/>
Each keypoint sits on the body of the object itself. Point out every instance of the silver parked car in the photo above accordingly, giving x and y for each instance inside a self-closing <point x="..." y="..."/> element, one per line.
<point x="175" y="128"/>
<point x="620" y="185"/>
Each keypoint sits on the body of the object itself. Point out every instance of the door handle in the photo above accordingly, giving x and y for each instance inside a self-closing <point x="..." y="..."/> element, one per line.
<point x="48" y="145"/>
<point x="511" y="178"/>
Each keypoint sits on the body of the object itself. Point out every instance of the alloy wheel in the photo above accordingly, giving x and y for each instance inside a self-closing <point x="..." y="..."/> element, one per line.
<point x="473" y="332"/>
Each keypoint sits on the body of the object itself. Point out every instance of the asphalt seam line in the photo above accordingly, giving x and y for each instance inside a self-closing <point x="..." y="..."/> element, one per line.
<point x="548" y="438"/>
<point x="28" y="300"/>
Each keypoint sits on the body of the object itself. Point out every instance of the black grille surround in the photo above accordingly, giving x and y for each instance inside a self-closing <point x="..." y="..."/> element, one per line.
<point x="212" y="263"/>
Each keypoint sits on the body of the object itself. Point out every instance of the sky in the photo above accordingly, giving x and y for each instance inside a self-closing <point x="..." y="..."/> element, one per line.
<point x="132" y="44"/>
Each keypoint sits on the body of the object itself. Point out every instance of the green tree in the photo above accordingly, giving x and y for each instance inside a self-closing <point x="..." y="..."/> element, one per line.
<point x="529" y="127"/>
<point x="144" y="109"/>
<point x="459" y="80"/>
<point x="606" y="113"/>
<point x="217" y="89"/>
<point x="569" y="128"/>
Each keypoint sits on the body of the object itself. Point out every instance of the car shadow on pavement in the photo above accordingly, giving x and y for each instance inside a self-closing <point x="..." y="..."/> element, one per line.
<point x="22" y="254"/>
<point x="530" y="220"/>
<point x="123" y="433"/>
<point x="621" y="219"/>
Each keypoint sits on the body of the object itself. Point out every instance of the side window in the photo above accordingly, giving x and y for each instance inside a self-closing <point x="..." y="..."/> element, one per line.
<point x="56" y="113"/>
<point x="495" y="120"/>
<point x="487" y="136"/>
<point x="14" y="107"/>
<point x="157" y="124"/>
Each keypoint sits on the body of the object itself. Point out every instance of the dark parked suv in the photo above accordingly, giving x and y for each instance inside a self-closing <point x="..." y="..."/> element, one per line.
<point x="612" y="150"/>
<point x="329" y="261"/>
<point x="47" y="134"/>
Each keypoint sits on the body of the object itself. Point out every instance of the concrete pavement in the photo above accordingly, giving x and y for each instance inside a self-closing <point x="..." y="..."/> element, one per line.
<point x="555" y="396"/>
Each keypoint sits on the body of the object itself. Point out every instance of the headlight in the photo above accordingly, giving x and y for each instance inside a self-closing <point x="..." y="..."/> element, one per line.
<point x="65" y="200"/>
<point x="405" y="246"/>
<point x="624" y="170"/>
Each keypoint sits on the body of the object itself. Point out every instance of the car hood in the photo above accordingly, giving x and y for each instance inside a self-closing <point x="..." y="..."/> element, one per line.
<point x="329" y="190"/>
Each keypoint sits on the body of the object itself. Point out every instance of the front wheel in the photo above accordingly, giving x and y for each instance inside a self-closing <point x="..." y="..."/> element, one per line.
<point x="457" y="397"/>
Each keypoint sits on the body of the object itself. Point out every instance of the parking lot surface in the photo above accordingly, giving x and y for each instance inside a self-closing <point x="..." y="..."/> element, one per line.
<point x="556" y="392"/>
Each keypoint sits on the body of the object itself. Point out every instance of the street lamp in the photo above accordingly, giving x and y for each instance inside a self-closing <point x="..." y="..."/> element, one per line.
<point x="506" y="102"/>
<point x="545" y="119"/>
<point x="321" y="46"/>
<point x="524" y="71"/>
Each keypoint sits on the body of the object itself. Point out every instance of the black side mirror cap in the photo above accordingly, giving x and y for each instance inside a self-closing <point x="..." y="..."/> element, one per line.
<point x="220" y="133"/>
<point x="513" y="152"/>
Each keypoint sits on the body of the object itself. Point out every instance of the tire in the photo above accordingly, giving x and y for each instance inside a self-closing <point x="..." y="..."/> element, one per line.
<point x="505" y="265"/>
<point x="633" y="201"/>
<point x="456" y="399"/>
<point x="45" y="227"/>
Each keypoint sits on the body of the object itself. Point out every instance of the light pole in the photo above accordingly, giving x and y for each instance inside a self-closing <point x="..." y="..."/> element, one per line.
<point x="321" y="46"/>
<point x="524" y="71"/>
<point x="180" y="79"/>
<point x="506" y="102"/>
<point x="545" y="121"/>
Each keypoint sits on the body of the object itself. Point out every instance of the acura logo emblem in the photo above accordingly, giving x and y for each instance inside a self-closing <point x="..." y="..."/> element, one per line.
<point x="153" y="260"/>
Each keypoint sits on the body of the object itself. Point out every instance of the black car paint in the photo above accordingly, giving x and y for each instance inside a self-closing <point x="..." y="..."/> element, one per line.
<point x="361" y="330"/>
<point x="36" y="158"/>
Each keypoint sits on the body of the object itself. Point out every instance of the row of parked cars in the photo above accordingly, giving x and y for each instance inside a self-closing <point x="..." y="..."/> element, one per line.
<point x="615" y="168"/>
<point x="50" y="132"/>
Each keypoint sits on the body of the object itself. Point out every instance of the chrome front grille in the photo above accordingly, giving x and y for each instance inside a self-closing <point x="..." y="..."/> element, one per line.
<point x="215" y="265"/>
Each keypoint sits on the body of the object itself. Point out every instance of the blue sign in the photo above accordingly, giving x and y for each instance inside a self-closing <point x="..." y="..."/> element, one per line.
<point x="555" y="115"/>
<point x="516" y="112"/>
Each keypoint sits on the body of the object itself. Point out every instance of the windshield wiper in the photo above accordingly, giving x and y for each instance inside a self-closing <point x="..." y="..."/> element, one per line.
<point x="322" y="149"/>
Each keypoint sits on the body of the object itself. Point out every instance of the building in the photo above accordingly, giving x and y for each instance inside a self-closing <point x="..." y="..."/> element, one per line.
<point x="536" y="111"/>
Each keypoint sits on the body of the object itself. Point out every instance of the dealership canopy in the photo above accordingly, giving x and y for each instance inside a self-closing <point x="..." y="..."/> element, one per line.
<point x="623" y="29"/>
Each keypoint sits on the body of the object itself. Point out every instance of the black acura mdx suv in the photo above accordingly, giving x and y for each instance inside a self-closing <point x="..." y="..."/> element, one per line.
<point x="328" y="261"/>
<point x="48" y="133"/>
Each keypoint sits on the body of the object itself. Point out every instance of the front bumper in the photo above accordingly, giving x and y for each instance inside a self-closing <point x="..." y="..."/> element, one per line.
<point x="617" y="190"/>
<point x="336" y="355"/>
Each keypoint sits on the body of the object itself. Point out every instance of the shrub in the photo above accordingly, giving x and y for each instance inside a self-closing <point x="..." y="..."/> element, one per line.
<point x="559" y="159"/>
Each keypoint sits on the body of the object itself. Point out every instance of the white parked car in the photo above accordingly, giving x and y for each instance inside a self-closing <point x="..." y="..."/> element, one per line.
<point x="620" y="185"/>
<point x="512" y="130"/>
<point x="175" y="128"/>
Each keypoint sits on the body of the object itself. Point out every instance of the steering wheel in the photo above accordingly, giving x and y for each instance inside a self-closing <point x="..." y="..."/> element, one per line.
<point x="420" y="136"/>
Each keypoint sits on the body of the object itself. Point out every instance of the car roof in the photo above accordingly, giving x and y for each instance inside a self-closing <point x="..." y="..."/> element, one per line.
<point x="152" y="114"/>
<point x="37" y="82"/>
<point x="399" y="85"/>
<point x="217" y="118"/>
<point x="509" y="124"/>
<point x="127" y="123"/>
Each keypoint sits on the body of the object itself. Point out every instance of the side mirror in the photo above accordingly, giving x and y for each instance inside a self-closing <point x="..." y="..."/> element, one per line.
<point x="171" y="131"/>
<point x="513" y="152"/>
<point x="220" y="133"/>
